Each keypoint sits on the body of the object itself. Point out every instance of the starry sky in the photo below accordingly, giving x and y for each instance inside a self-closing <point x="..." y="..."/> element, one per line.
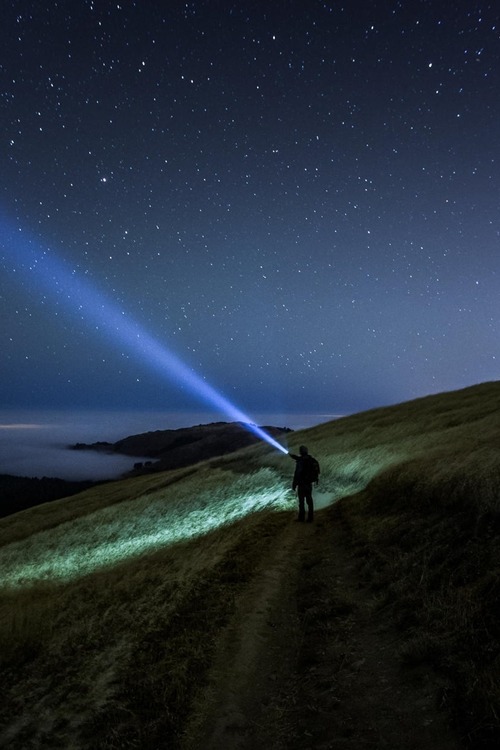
<point x="299" y="198"/>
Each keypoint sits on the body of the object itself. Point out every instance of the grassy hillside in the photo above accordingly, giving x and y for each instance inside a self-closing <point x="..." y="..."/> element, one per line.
<point x="112" y="601"/>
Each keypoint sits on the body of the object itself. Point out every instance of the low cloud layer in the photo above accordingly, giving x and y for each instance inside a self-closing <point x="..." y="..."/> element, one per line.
<point x="36" y="444"/>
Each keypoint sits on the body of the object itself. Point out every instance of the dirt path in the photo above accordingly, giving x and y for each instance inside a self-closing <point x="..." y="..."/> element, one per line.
<point x="310" y="662"/>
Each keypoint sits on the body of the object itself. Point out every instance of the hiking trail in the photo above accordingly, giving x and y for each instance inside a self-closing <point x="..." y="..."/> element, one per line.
<point x="309" y="661"/>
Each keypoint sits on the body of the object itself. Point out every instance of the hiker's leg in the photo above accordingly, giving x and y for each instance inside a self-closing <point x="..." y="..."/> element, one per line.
<point x="302" y="497"/>
<point x="310" y="505"/>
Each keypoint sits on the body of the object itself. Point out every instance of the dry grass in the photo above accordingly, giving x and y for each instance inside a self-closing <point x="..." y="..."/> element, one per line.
<point x="427" y="531"/>
<point x="111" y="600"/>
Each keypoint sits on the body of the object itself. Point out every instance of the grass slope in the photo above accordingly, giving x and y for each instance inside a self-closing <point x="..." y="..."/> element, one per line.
<point x="111" y="601"/>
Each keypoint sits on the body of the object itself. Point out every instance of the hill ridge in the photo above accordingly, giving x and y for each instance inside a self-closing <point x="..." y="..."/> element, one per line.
<point x="412" y="539"/>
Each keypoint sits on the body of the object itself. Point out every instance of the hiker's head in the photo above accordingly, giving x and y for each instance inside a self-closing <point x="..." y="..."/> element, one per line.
<point x="303" y="450"/>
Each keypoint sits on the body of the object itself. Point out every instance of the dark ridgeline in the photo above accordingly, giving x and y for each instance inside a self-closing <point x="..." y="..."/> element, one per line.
<point x="20" y="493"/>
<point x="173" y="449"/>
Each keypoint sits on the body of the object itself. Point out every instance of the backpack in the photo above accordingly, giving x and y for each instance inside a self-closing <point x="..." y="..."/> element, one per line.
<point x="311" y="469"/>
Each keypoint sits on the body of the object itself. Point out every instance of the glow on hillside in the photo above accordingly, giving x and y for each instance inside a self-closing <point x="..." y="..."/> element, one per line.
<point x="138" y="527"/>
<point x="68" y="287"/>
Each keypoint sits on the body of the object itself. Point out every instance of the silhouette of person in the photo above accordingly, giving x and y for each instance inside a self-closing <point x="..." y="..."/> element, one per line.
<point x="306" y="472"/>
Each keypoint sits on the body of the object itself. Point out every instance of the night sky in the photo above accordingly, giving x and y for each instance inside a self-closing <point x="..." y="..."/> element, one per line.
<point x="300" y="199"/>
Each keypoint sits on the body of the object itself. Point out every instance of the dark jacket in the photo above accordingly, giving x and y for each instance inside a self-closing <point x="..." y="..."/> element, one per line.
<point x="306" y="470"/>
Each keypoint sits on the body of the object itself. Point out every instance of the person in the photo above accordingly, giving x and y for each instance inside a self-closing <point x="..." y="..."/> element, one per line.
<point x="306" y="472"/>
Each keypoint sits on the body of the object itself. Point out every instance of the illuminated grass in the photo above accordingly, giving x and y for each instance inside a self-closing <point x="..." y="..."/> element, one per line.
<point x="159" y="519"/>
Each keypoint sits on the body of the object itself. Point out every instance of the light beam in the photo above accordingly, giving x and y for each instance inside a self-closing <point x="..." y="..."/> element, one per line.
<point x="66" y="285"/>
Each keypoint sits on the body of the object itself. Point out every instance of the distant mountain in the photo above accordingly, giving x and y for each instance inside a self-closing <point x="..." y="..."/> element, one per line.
<point x="173" y="449"/>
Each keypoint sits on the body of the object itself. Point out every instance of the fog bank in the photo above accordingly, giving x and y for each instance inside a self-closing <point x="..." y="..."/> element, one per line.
<point x="35" y="443"/>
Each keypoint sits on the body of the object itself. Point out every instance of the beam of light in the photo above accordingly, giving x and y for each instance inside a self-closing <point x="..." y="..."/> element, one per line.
<point x="30" y="259"/>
